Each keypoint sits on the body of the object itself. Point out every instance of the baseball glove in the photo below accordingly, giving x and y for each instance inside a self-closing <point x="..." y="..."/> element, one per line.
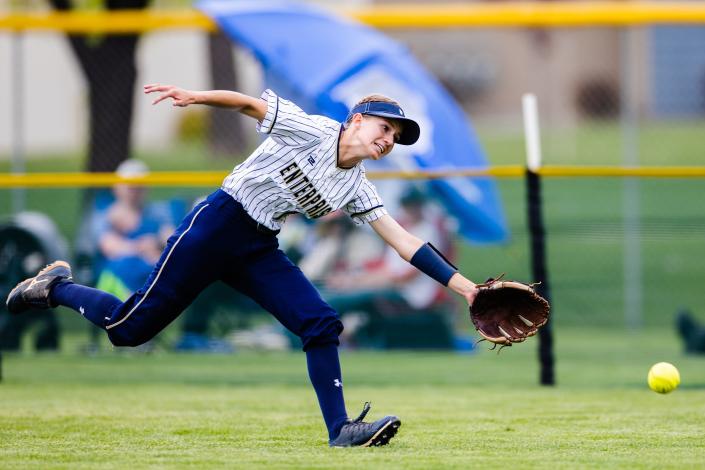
<point x="507" y="312"/>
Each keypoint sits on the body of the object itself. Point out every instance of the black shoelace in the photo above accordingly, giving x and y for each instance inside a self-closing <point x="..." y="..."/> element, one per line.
<point x="365" y="409"/>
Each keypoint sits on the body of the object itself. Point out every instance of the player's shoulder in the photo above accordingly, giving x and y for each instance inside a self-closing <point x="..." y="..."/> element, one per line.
<point x="330" y="126"/>
<point x="292" y="107"/>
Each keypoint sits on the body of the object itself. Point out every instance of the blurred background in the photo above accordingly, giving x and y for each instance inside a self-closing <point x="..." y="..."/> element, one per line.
<point x="623" y="253"/>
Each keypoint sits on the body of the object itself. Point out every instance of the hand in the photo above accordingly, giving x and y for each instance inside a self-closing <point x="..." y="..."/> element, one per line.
<point x="470" y="295"/>
<point x="463" y="286"/>
<point x="179" y="96"/>
<point x="148" y="247"/>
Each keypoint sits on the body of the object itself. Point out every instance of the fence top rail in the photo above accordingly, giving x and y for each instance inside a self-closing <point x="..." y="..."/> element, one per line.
<point x="430" y="15"/>
<point x="213" y="178"/>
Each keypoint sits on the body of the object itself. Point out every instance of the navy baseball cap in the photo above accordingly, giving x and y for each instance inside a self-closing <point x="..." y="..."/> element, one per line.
<point x="410" y="130"/>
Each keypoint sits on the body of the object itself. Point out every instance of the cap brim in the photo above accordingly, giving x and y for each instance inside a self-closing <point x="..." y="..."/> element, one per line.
<point x="410" y="130"/>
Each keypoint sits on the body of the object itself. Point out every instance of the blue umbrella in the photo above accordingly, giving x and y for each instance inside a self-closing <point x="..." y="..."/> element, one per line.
<point x="325" y="63"/>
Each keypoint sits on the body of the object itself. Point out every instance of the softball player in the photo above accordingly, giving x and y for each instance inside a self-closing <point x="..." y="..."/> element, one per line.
<point x="308" y="164"/>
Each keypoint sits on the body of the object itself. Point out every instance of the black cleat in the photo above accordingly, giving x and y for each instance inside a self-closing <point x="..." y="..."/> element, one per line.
<point x="356" y="433"/>
<point x="33" y="293"/>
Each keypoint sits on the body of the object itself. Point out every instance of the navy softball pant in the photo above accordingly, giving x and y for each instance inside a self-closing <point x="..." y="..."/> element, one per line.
<point x="218" y="240"/>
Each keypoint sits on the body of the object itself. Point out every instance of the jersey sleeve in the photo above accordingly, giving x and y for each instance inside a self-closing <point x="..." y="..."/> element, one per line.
<point x="366" y="206"/>
<point x="286" y="123"/>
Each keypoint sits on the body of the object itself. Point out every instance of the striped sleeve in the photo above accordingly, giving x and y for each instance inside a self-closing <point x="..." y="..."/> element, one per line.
<point x="286" y="123"/>
<point x="366" y="206"/>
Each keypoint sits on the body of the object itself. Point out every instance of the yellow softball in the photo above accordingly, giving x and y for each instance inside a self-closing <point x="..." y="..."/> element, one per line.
<point x="663" y="377"/>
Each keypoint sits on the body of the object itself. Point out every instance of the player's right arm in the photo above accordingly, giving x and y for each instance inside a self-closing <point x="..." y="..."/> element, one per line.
<point x="408" y="246"/>
<point x="247" y="105"/>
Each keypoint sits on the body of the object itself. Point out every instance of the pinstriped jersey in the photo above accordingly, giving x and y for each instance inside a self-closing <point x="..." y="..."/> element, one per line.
<point x="296" y="170"/>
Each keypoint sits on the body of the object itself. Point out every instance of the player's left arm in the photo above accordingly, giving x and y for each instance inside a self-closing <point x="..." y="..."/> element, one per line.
<point x="423" y="256"/>
<point x="245" y="104"/>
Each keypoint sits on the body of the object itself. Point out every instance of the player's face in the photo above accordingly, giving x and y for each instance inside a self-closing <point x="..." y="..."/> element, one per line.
<point x="379" y="135"/>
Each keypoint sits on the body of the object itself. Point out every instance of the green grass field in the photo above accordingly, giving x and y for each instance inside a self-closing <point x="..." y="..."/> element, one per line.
<point x="257" y="410"/>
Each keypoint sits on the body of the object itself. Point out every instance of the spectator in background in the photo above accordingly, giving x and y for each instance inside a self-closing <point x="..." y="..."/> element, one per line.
<point x="335" y="246"/>
<point x="130" y="234"/>
<point x="389" y="293"/>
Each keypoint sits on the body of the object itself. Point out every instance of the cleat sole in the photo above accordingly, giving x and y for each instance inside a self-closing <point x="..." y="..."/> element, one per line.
<point x="384" y="435"/>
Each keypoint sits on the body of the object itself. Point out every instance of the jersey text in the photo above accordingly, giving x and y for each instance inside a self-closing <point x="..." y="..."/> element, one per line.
<point x="304" y="191"/>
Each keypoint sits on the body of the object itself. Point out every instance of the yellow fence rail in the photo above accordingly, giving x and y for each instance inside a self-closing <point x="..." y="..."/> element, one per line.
<point x="510" y="14"/>
<point x="214" y="178"/>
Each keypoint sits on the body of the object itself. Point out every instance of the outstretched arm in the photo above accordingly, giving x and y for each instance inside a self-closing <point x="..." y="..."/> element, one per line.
<point x="408" y="246"/>
<point x="247" y="105"/>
